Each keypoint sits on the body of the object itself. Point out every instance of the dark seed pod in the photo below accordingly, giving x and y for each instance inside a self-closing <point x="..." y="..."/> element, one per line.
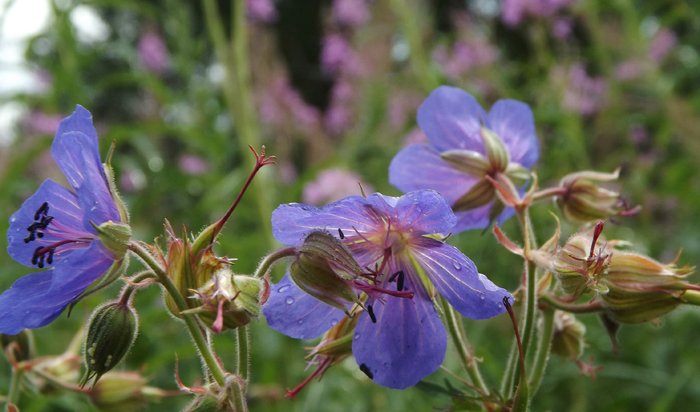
<point x="111" y="333"/>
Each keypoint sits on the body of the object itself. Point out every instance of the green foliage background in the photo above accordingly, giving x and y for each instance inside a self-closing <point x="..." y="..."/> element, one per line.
<point x="155" y="118"/>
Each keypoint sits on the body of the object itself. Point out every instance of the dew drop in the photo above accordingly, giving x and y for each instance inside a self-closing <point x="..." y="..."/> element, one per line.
<point x="301" y="321"/>
<point x="482" y="297"/>
<point x="334" y="322"/>
<point x="500" y="306"/>
<point x="357" y="336"/>
<point x="10" y="239"/>
<point x="283" y="288"/>
<point x="289" y="300"/>
<point x="456" y="265"/>
<point x="12" y="219"/>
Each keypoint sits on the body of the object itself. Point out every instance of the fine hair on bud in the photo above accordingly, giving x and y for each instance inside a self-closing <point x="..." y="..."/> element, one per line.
<point x="111" y="332"/>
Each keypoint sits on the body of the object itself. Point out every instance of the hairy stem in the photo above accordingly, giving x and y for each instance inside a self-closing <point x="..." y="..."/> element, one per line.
<point x="203" y="347"/>
<point x="272" y="259"/>
<point x="456" y="330"/>
<point x="543" y="349"/>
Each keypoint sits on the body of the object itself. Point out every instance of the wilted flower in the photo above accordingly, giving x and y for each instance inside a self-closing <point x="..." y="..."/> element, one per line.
<point x="398" y="340"/>
<point x="467" y="148"/>
<point x="78" y="235"/>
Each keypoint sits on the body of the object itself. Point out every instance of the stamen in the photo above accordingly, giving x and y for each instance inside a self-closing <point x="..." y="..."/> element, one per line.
<point x="43" y="210"/>
<point x="41" y="251"/>
<point x="399" y="283"/>
<point x="365" y="369"/>
<point x="341" y="234"/>
<point x="370" y="311"/>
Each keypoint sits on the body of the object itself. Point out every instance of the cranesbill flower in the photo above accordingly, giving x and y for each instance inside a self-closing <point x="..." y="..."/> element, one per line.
<point x="468" y="149"/>
<point x="77" y="235"/>
<point x="401" y="339"/>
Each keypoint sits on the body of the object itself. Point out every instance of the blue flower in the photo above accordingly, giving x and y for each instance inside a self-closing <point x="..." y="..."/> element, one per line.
<point x="467" y="145"/>
<point x="401" y="340"/>
<point x="64" y="231"/>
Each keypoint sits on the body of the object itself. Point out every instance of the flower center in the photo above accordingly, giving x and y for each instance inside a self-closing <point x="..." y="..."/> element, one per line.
<point x="44" y="254"/>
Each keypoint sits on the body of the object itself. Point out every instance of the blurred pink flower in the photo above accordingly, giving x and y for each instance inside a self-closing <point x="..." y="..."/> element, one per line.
<point x="338" y="116"/>
<point x="416" y="135"/>
<point x="584" y="94"/>
<point x="351" y="12"/>
<point x="402" y="106"/>
<point x="464" y="56"/>
<point x="514" y="11"/>
<point x="661" y="45"/>
<point x="261" y="10"/>
<point x="193" y="165"/>
<point x="42" y="123"/>
<point x="338" y="56"/>
<point x="561" y="28"/>
<point x="281" y="100"/>
<point x="153" y="52"/>
<point x="628" y="70"/>
<point x="332" y="185"/>
<point x="639" y="135"/>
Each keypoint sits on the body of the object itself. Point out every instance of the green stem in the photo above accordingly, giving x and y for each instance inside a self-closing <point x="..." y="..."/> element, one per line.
<point x="271" y="259"/>
<point x="243" y="341"/>
<point x="419" y="59"/>
<point x="596" y="306"/>
<point x="13" y="395"/>
<point x="456" y="330"/>
<point x="543" y="349"/>
<point x="238" y="95"/>
<point x="200" y="341"/>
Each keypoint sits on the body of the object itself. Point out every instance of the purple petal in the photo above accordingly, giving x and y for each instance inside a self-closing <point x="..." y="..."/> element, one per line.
<point x="424" y="212"/>
<point x="292" y="222"/>
<point x="71" y="276"/>
<point x="455" y="276"/>
<point x="80" y="121"/>
<point x="515" y="125"/>
<point x="80" y="162"/>
<point x="25" y="290"/>
<point x="407" y="343"/>
<point x="419" y="167"/>
<point x="293" y="312"/>
<point x="63" y="206"/>
<point x="452" y="118"/>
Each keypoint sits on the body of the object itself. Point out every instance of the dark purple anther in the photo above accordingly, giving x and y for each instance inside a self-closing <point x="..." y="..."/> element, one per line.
<point x="370" y="311"/>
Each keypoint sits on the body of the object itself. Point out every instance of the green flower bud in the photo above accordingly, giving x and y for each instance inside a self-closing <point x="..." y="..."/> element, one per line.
<point x="22" y="345"/>
<point x="467" y="161"/>
<point x="110" y="334"/>
<point x="230" y="300"/>
<point x="583" y="200"/>
<point x="495" y="150"/>
<point x="324" y="268"/>
<point x="578" y="267"/>
<point x="123" y="392"/>
<point x="642" y="289"/>
<point x="567" y="340"/>
<point x="115" y="237"/>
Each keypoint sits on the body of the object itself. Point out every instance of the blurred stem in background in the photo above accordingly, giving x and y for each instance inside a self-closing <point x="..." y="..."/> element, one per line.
<point x="233" y="54"/>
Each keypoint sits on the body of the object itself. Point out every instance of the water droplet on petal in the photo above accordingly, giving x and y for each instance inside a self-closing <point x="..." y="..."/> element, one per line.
<point x="456" y="265"/>
<point x="357" y="336"/>
<point x="500" y="306"/>
<point x="12" y="219"/>
<point x="490" y="286"/>
<point x="301" y="321"/>
<point x="283" y="288"/>
<point x="482" y="297"/>
<point x="334" y="322"/>
<point x="10" y="239"/>
<point x="289" y="300"/>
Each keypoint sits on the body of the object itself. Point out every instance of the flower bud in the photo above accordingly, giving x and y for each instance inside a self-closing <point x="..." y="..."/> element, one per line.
<point x="642" y="289"/>
<point x="583" y="200"/>
<point x="495" y="150"/>
<point x="230" y="300"/>
<point x="578" y="266"/>
<point x="115" y="237"/>
<point x="122" y="392"/>
<point x="324" y="268"/>
<point x="567" y="340"/>
<point x="22" y="345"/>
<point x="110" y="334"/>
